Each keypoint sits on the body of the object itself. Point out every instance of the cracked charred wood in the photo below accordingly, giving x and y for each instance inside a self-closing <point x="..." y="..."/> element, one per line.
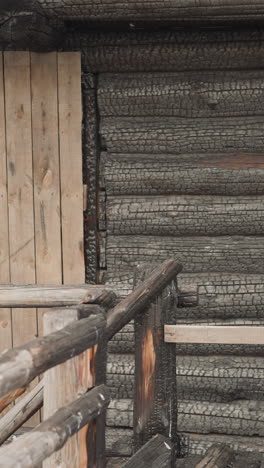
<point x="196" y="174"/>
<point x="155" y="401"/>
<point x="245" y="418"/>
<point x="201" y="378"/>
<point x="192" y="94"/>
<point x="156" y="453"/>
<point x="185" y="215"/>
<point x="156" y="135"/>
<point x="217" y="456"/>
<point x="51" y="435"/>
<point x="160" y="10"/>
<point x="19" y="366"/>
<point x="16" y="5"/>
<point x="28" y="30"/>
<point x="139" y="299"/>
<point x="197" y="254"/>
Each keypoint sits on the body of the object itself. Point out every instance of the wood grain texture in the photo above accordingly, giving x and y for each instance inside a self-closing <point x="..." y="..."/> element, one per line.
<point x="202" y="378"/>
<point x="5" y="314"/>
<point x="214" y="334"/>
<point x="180" y="50"/>
<point x="197" y="254"/>
<point x="245" y="418"/>
<point x="196" y="174"/>
<point x="157" y="453"/>
<point x="192" y="94"/>
<point x="185" y="215"/>
<point x="159" y="10"/>
<point x="155" y="135"/>
<point x="70" y="138"/>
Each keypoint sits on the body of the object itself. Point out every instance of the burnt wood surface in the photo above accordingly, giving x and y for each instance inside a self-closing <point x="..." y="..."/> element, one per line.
<point x="19" y="366"/>
<point x="217" y="456"/>
<point x="156" y="135"/>
<point x="185" y="215"/>
<point x="180" y="50"/>
<point x="196" y="174"/>
<point x="192" y="94"/>
<point x="51" y="435"/>
<point x="157" y="453"/>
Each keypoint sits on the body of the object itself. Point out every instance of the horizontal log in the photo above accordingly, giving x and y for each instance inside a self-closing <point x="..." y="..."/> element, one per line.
<point x="197" y="254"/>
<point x="170" y="135"/>
<point x="240" y="417"/>
<point x="156" y="453"/>
<point x="16" y="5"/>
<point x="21" y="412"/>
<point x="196" y="174"/>
<point x="142" y="295"/>
<point x="48" y="437"/>
<point x="192" y="94"/>
<point x="53" y="296"/>
<point x="185" y="215"/>
<point x="20" y="365"/>
<point x="160" y="10"/>
<point x="200" y="378"/>
<point x="119" y="443"/>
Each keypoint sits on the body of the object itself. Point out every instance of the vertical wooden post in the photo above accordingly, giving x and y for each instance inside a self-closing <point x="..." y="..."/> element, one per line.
<point x="62" y="385"/>
<point x="155" y="409"/>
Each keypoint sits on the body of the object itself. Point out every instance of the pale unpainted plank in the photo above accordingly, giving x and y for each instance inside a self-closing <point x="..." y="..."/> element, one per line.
<point x="214" y="334"/>
<point x="5" y="314"/>
<point x="46" y="167"/>
<point x="70" y="137"/>
<point x="20" y="186"/>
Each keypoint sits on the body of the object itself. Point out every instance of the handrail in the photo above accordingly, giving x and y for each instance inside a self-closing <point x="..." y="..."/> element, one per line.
<point x="86" y="328"/>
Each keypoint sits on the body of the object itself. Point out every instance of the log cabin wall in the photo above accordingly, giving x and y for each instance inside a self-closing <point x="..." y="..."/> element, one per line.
<point x="182" y="175"/>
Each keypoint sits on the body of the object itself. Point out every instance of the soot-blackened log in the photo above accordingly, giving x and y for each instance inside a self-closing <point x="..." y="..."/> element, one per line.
<point x="171" y="50"/>
<point x="157" y="453"/>
<point x="51" y="435"/>
<point x="155" y="409"/>
<point x="196" y="174"/>
<point x="155" y="135"/>
<point x="141" y="296"/>
<point x="217" y="456"/>
<point x="159" y="10"/>
<point x="19" y="366"/>
<point x="192" y="94"/>
<point x="185" y="215"/>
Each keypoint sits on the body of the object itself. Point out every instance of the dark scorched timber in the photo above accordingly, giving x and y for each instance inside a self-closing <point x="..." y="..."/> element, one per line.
<point x="155" y="135"/>
<point x="185" y="215"/>
<point x="192" y="94"/>
<point x="197" y="174"/>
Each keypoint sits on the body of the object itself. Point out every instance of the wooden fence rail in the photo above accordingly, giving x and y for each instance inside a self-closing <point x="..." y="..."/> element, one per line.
<point x="69" y="333"/>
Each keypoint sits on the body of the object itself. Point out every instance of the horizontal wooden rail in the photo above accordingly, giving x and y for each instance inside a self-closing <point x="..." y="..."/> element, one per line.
<point x="141" y="297"/>
<point x="208" y="334"/>
<point x="53" y="296"/>
<point x="19" y="366"/>
<point x="48" y="437"/>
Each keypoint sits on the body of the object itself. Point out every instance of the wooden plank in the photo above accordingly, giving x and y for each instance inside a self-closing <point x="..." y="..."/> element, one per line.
<point x="214" y="334"/>
<point x="19" y="366"/>
<point x="54" y="296"/>
<point x="5" y="314"/>
<point x="32" y="448"/>
<point x="157" y="453"/>
<point x="20" y="186"/>
<point x="46" y="171"/>
<point x="70" y="135"/>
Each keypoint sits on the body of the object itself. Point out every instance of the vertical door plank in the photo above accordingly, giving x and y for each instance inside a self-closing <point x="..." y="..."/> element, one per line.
<point x="20" y="186"/>
<point x="46" y="170"/>
<point x="5" y="314"/>
<point x="70" y="118"/>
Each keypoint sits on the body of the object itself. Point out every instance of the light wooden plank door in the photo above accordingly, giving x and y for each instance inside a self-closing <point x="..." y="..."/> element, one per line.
<point x="41" y="189"/>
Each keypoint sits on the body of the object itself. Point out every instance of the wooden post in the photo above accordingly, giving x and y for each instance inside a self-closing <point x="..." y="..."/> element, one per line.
<point x="155" y="371"/>
<point x="62" y="385"/>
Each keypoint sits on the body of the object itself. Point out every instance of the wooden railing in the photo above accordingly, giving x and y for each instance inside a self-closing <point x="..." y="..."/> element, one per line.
<point x="72" y="356"/>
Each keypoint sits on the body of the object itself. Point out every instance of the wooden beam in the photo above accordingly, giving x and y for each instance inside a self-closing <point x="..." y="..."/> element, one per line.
<point x="217" y="456"/>
<point x="21" y="412"/>
<point x="157" y="453"/>
<point x="244" y="335"/>
<point x="21" y="365"/>
<point x="140" y="298"/>
<point x="33" y="448"/>
<point x="53" y="296"/>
